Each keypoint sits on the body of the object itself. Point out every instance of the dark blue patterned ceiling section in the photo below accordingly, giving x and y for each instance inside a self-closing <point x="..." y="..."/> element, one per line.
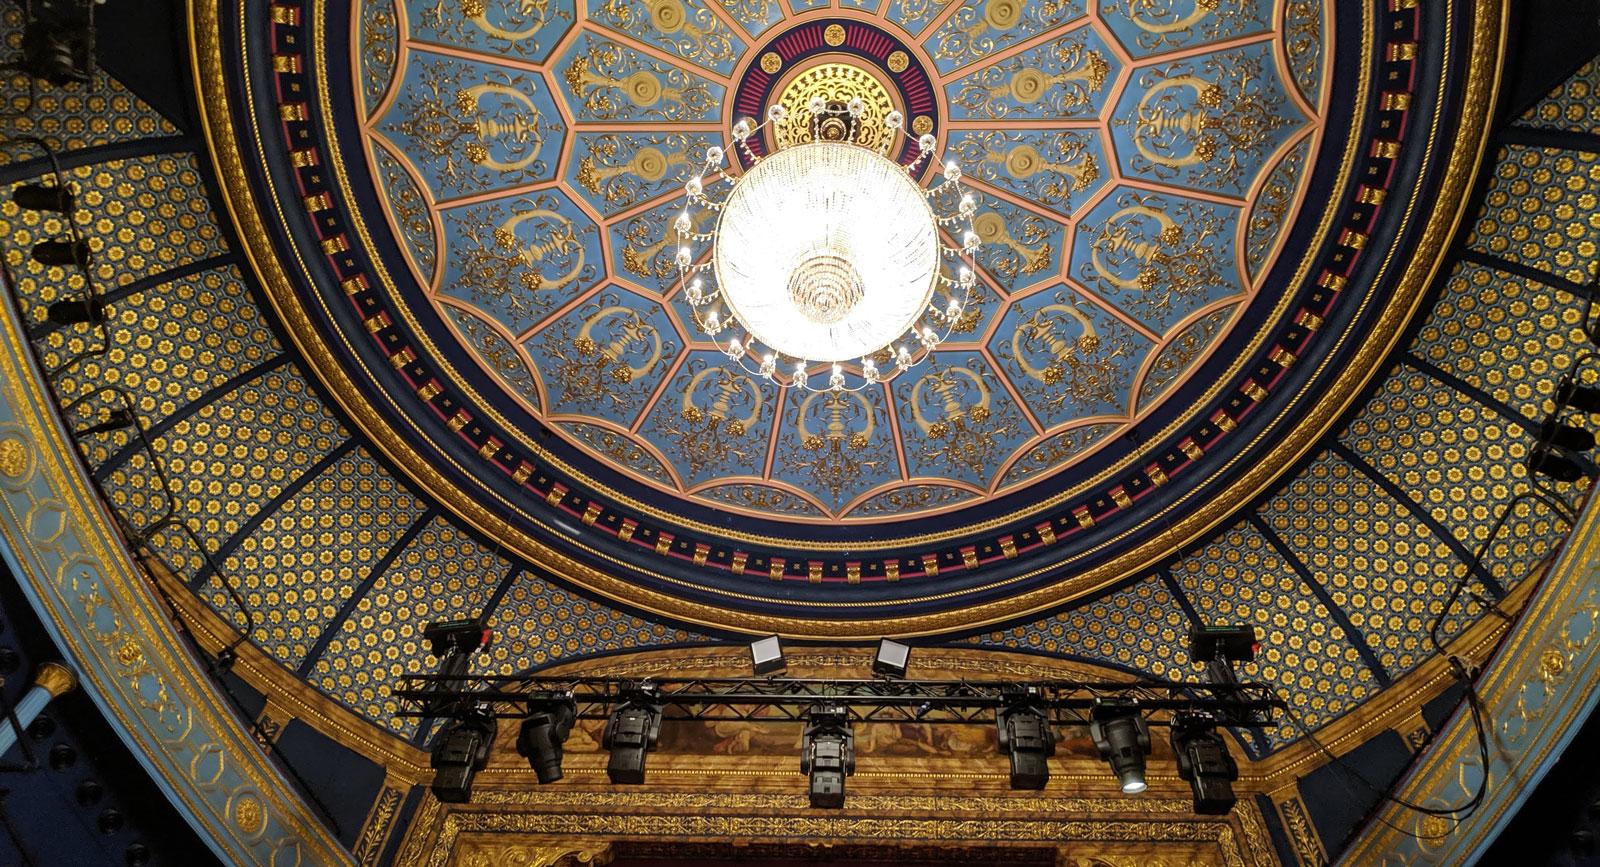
<point x="1343" y="566"/>
<point x="1127" y="248"/>
<point x="340" y="560"/>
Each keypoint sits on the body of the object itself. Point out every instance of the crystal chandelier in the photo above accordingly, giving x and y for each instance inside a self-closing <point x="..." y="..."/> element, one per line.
<point x="826" y="252"/>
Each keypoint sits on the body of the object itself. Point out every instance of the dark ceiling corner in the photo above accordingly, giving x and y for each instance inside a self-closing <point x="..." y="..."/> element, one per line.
<point x="1549" y="41"/>
<point x="158" y="70"/>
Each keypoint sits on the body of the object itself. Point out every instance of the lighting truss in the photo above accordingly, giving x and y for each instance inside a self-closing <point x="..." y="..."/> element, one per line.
<point x="966" y="702"/>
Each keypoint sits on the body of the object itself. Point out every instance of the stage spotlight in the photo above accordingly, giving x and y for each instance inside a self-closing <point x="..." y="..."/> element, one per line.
<point x="42" y="197"/>
<point x="892" y="659"/>
<point x="465" y="636"/>
<point x="630" y="733"/>
<point x="453" y="642"/>
<point x="1123" y="738"/>
<point x="1204" y="761"/>
<point x="62" y="253"/>
<point x="91" y="311"/>
<point x="766" y="656"/>
<point x="1219" y="647"/>
<point x="1584" y="398"/>
<point x="1026" y="735"/>
<point x="58" y="41"/>
<point x="828" y="754"/>
<point x="1566" y="436"/>
<point x="1559" y="451"/>
<point x="461" y="751"/>
<point x="1547" y="461"/>
<point x="543" y="733"/>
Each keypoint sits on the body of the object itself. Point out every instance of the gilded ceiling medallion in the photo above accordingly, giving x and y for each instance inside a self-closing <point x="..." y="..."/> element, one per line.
<point x="839" y="83"/>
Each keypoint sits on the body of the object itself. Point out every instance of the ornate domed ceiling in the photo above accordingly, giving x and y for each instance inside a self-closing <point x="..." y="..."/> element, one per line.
<point x="1136" y="166"/>
<point x="1180" y="203"/>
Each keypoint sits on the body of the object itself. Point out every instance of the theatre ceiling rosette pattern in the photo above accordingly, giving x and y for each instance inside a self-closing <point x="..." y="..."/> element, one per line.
<point x="1183" y="208"/>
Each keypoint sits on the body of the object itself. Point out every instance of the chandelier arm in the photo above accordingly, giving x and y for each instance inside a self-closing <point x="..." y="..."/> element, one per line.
<point x="933" y="326"/>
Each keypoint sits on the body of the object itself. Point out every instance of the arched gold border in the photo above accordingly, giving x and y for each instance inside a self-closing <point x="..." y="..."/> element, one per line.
<point x="1468" y="142"/>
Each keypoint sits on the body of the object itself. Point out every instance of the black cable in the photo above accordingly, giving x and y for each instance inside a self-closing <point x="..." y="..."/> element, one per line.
<point x="140" y="539"/>
<point x="1466" y="571"/>
<point x="216" y="671"/>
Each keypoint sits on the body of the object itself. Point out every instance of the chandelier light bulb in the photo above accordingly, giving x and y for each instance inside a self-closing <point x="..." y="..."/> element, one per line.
<point x="824" y="251"/>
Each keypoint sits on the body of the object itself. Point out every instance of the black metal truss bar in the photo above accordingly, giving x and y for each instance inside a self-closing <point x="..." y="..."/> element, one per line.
<point x="1244" y="705"/>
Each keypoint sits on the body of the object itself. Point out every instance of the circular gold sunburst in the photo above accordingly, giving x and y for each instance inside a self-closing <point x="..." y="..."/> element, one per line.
<point x="838" y="83"/>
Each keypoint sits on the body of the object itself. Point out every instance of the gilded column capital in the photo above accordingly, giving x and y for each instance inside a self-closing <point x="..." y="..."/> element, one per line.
<point x="56" y="678"/>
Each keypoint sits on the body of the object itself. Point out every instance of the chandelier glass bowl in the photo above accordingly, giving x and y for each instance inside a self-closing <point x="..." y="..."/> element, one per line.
<point x="826" y="252"/>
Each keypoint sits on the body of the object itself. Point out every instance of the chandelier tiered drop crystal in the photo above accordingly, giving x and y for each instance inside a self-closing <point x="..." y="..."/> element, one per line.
<point x="826" y="252"/>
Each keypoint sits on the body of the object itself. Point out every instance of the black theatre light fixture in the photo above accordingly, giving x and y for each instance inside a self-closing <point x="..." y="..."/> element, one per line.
<point x="828" y="754"/>
<point x="58" y="41"/>
<point x="62" y="252"/>
<point x="1560" y="448"/>
<point x="1204" y="761"/>
<point x="766" y="656"/>
<point x="892" y="658"/>
<point x="460" y="752"/>
<point x="90" y="311"/>
<point x="1123" y="739"/>
<point x="43" y="197"/>
<point x="631" y="733"/>
<point x="543" y="733"/>
<point x="453" y="642"/>
<point x="1219" y="647"/>
<point x="58" y="199"/>
<point x="1026" y="736"/>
